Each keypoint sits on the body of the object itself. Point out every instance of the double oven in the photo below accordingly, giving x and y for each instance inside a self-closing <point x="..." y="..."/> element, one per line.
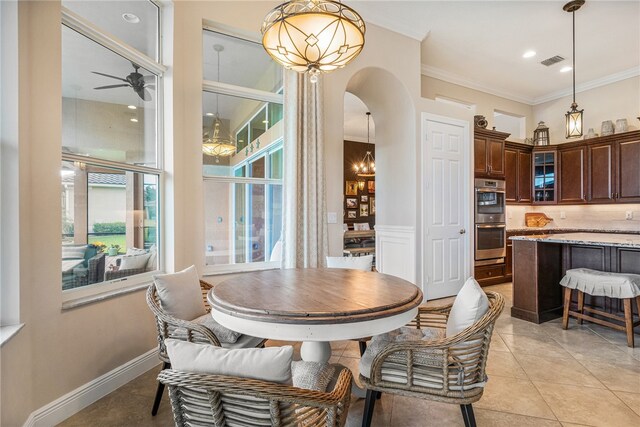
<point x="490" y="227"/>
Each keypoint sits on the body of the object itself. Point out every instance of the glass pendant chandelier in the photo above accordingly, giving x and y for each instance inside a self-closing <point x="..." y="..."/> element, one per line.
<point x="313" y="36"/>
<point x="217" y="142"/>
<point x="367" y="167"/>
<point x="574" y="116"/>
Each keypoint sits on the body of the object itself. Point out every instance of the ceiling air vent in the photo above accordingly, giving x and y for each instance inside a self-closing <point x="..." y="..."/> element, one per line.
<point x="553" y="60"/>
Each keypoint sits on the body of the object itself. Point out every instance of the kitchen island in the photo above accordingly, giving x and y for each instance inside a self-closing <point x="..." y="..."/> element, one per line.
<point x="540" y="261"/>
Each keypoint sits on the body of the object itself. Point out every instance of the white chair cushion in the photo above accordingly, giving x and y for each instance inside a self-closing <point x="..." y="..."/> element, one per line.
<point x="354" y="263"/>
<point x="134" y="262"/>
<point x="602" y="283"/>
<point x="266" y="364"/>
<point x="405" y="333"/>
<point x="224" y="335"/>
<point x="312" y="375"/>
<point x="470" y="305"/>
<point x="180" y="294"/>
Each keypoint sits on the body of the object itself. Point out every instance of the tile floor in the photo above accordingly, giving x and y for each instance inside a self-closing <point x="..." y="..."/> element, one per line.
<point x="539" y="375"/>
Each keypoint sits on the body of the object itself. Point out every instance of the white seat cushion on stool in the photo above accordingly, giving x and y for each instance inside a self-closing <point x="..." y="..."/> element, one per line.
<point x="602" y="283"/>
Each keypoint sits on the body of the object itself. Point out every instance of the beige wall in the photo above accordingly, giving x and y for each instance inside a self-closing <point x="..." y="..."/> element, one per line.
<point x="611" y="102"/>
<point x="57" y="350"/>
<point x="485" y="103"/>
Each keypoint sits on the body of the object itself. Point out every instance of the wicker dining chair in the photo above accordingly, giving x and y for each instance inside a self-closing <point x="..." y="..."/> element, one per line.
<point x="172" y="327"/>
<point x="220" y="401"/>
<point x="449" y="370"/>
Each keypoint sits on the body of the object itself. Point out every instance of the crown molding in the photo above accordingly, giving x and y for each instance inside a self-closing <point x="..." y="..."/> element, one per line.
<point x="440" y="74"/>
<point x="603" y="81"/>
<point x="396" y="26"/>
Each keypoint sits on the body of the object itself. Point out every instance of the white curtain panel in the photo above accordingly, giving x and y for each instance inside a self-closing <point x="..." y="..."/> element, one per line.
<point x="305" y="226"/>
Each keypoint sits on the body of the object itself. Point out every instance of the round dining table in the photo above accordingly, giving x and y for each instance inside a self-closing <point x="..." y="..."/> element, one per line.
<point x="315" y="306"/>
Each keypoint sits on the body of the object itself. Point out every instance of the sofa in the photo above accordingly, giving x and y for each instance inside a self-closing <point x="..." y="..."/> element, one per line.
<point x="135" y="261"/>
<point x="86" y="266"/>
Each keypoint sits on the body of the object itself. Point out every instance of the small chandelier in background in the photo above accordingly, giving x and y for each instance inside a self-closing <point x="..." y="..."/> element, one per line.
<point x="216" y="142"/>
<point x="367" y="167"/>
<point x="313" y="36"/>
<point x="574" y="116"/>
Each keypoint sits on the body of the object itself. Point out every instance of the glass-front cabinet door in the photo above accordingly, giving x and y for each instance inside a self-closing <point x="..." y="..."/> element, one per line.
<point x="544" y="177"/>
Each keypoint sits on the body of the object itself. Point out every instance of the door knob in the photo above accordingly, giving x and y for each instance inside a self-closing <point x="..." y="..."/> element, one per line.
<point x="462" y="231"/>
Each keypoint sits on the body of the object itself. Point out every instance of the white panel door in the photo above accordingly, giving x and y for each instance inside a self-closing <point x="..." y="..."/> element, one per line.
<point x="446" y="207"/>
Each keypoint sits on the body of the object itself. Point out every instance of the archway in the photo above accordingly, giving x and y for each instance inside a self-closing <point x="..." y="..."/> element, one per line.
<point x="393" y="111"/>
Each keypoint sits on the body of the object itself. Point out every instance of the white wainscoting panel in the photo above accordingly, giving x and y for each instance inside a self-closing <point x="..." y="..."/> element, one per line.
<point x="396" y="251"/>
<point x="78" y="399"/>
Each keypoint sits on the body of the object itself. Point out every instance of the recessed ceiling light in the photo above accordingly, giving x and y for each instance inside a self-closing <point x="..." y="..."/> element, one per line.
<point x="209" y="114"/>
<point x="131" y="107"/>
<point x="134" y="120"/>
<point x="529" y="54"/>
<point x="265" y="121"/>
<point x="565" y="69"/>
<point x="130" y="18"/>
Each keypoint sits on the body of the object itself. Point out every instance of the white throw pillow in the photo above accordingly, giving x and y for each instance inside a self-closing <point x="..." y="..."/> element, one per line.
<point x="469" y="306"/>
<point x="354" y="263"/>
<point x="153" y="256"/>
<point x="73" y="252"/>
<point x="129" y="262"/>
<point x="180" y="294"/>
<point x="135" y="251"/>
<point x="266" y="364"/>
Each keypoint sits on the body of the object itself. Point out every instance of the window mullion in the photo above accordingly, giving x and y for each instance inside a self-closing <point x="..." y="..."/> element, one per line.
<point x="87" y="29"/>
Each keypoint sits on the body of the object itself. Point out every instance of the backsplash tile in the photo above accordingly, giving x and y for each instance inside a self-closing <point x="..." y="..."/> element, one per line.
<point x="592" y="217"/>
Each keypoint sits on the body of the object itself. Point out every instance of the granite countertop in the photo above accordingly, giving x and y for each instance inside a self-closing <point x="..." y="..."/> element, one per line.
<point x="596" y="239"/>
<point x="542" y="230"/>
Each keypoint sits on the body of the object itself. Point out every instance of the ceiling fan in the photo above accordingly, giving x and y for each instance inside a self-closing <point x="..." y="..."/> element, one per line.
<point x="134" y="80"/>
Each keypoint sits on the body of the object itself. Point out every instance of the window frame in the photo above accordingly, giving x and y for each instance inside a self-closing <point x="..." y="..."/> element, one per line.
<point x="252" y="94"/>
<point x="75" y="22"/>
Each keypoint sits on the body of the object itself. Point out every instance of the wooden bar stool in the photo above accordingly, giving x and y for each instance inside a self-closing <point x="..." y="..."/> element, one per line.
<point x="602" y="283"/>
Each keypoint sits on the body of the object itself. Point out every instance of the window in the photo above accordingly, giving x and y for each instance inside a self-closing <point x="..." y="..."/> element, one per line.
<point x="111" y="168"/>
<point x="511" y="123"/>
<point x="243" y="190"/>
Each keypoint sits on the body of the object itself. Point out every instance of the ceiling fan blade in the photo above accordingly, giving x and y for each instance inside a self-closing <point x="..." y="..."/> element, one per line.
<point x="144" y="94"/>
<point x="110" y="86"/>
<point x="109" y="75"/>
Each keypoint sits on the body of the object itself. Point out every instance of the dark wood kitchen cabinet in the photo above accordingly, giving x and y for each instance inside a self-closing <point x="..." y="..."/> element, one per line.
<point x="572" y="173"/>
<point x="517" y="164"/>
<point x="489" y="161"/>
<point x="545" y="175"/>
<point x="613" y="169"/>
<point x="627" y="170"/>
<point x="601" y="173"/>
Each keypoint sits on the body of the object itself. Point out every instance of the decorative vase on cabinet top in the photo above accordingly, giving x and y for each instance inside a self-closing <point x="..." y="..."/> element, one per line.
<point x="621" y="125"/>
<point x="607" y="128"/>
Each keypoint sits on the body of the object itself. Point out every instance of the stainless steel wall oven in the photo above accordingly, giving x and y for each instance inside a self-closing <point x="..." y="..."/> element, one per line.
<point x="490" y="227"/>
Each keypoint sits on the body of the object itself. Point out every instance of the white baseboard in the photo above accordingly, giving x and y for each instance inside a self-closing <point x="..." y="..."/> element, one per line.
<point x="78" y="399"/>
